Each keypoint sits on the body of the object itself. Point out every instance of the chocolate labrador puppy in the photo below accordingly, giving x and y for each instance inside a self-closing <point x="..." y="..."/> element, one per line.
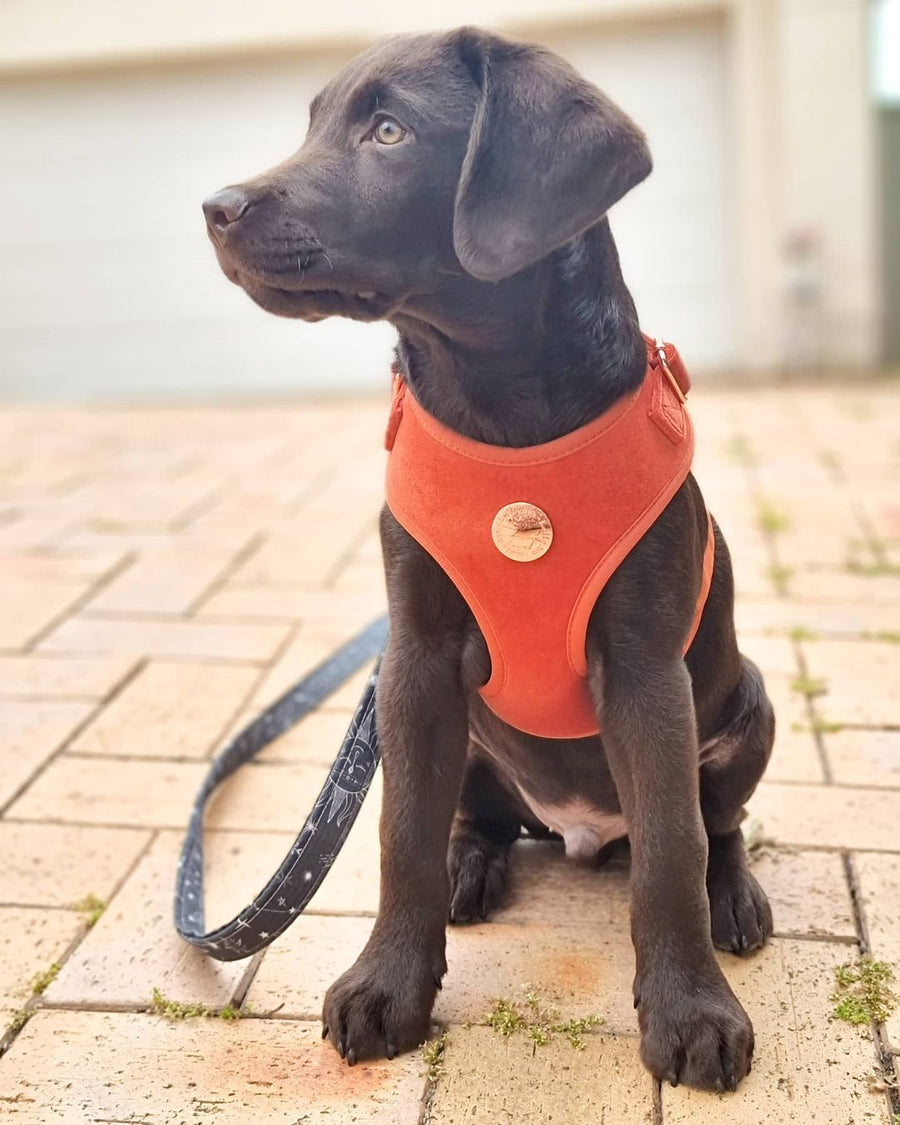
<point x="457" y="186"/>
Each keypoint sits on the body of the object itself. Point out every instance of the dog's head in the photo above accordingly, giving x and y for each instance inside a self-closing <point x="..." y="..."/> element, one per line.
<point x="430" y="161"/>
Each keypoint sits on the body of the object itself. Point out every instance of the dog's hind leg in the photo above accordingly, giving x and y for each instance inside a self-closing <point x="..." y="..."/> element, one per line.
<point x="488" y="821"/>
<point x="731" y="766"/>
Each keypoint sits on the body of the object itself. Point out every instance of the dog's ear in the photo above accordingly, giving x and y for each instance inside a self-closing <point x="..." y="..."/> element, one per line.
<point x="548" y="155"/>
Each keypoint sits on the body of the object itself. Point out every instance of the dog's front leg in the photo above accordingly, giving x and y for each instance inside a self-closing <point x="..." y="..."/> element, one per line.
<point x="693" y="1029"/>
<point x="382" y="1005"/>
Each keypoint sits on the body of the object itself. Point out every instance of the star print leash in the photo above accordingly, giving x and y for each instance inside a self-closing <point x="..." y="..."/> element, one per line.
<point x="306" y="864"/>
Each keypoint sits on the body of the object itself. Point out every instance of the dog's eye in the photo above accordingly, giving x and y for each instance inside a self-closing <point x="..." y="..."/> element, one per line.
<point x="388" y="131"/>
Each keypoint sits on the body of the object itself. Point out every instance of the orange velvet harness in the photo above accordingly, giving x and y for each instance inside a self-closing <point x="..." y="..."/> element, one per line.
<point x="600" y="486"/>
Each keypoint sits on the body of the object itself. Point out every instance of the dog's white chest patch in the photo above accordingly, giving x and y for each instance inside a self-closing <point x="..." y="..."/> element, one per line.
<point x="584" y="829"/>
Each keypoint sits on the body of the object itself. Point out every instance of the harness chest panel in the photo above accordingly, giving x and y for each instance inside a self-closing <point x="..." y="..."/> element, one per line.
<point x="530" y="536"/>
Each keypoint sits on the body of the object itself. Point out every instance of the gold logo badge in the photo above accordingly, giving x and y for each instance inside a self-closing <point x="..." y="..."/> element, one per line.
<point x="522" y="532"/>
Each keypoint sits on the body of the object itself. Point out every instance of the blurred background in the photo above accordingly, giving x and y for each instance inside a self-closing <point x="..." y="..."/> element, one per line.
<point x="766" y="241"/>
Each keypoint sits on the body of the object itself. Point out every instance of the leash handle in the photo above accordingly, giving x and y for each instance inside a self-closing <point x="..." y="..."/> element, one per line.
<point x="304" y="867"/>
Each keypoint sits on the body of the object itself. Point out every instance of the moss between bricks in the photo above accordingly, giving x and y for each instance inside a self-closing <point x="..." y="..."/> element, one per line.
<point x="433" y="1056"/>
<point x="885" y="636"/>
<point x="175" y="1010"/>
<point x="810" y="686"/>
<point x="18" y="1019"/>
<point x="43" y="980"/>
<point x="772" y="520"/>
<point x="780" y="577"/>
<point x="541" y="1024"/>
<point x="92" y="906"/>
<point x="863" y="994"/>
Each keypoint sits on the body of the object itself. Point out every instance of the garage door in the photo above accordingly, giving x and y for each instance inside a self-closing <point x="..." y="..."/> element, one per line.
<point x="675" y="231"/>
<point x="108" y="287"/>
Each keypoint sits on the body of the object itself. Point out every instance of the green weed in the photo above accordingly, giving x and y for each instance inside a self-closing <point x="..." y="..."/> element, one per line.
<point x="863" y="994"/>
<point x="433" y="1057"/>
<point x="92" y="906"/>
<point x="43" y="980"/>
<point x="538" y="1022"/>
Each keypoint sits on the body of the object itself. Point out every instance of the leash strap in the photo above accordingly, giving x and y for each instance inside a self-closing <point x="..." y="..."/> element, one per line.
<point x="304" y="867"/>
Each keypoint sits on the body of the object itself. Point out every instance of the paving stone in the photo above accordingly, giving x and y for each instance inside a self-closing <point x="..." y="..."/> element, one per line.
<point x="314" y="740"/>
<point x="838" y="619"/>
<point x="47" y="677"/>
<point x="57" y="566"/>
<point x="30" y="732"/>
<point x="828" y="816"/>
<point x="489" y="1078"/>
<point x="275" y="798"/>
<point x="58" y="865"/>
<point x="877" y="590"/>
<point x="304" y="961"/>
<point x="139" y="501"/>
<point x="309" y="551"/>
<point x="168" y="580"/>
<point x="806" y="1067"/>
<point x="134" y="948"/>
<point x="30" y="942"/>
<point x="808" y="892"/>
<point x="795" y="755"/>
<point x="169" y="710"/>
<point x="127" y="793"/>
<point x="546" y="887"/>
<point x="176" y="639"/>
<point x="313" y="643"/>
<point x="183" y="491"/>
<point x="74" y="1067"/>
<point x="774" y="655"/>
<point x="35" y="532"/>
<point x="28" y="608"/>
<point x="864" y="757"/>
<point x="294" y="603"/>
<point x="237" y="867"/>
<point x="364" y="578"/>
<point x="239" y="864"/>
<point x="159" y="794"/>
<point x="862" y="680"/>
<point x="573" y="968"/>
<point x="879" y="885"/>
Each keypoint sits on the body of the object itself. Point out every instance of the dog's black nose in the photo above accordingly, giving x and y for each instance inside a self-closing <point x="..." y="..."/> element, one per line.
<point x="224" y="208"/>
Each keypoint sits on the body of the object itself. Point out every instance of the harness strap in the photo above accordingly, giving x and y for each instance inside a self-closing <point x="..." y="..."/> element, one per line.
<point x="313" y="852"/>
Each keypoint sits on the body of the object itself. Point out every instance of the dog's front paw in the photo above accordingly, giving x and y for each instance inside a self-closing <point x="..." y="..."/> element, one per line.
<point x="381" y="1007"/>
<point x="478" y="870"/>
<point x="694" y="1031"/>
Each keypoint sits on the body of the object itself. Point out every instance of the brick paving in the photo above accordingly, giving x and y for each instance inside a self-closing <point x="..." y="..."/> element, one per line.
<point x="166" y="573"/>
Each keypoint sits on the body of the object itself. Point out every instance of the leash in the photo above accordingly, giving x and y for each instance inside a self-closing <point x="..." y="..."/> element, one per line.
<point x="304" y="867"/>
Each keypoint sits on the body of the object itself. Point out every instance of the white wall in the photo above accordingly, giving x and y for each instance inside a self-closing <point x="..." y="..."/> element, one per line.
<point x="828" y="173"/>
<point x="108" y="285"/>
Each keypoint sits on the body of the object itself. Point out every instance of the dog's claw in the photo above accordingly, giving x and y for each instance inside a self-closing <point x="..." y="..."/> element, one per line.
<point x="351" y="1057"/>
<point x="324" y="1030"/>
<point x="391" y="1051"/>
<point x="340" y="1048"/>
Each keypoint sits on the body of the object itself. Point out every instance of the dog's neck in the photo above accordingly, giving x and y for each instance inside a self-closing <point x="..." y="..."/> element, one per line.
<point x="532" y="358"/>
